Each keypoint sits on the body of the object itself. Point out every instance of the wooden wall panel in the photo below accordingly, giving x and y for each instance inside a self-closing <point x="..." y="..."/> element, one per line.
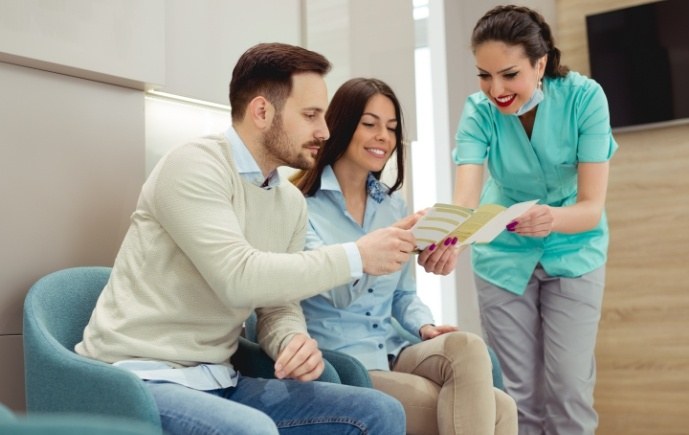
<point x="643" y="343"/>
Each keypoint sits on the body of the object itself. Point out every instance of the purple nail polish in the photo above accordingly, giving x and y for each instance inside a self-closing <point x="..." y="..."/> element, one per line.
<point x="447" y="241"/>
<point x="454" y="241"/>
<point x="511" y="225"/>
<point x="431" y="247"/>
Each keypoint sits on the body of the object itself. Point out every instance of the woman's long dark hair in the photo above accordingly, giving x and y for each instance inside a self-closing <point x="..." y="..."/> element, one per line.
<point x="343" y="116"/>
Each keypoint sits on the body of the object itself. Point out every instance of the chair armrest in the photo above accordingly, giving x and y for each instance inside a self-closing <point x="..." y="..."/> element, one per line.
<point x="250" y="360"/>
<point x="75" y="424"/>
<point x="350" y="370"/>
<point x="60" y="381"/>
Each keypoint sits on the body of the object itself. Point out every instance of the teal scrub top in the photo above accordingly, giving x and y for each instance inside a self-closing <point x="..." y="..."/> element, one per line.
<point x="572" y="125"/>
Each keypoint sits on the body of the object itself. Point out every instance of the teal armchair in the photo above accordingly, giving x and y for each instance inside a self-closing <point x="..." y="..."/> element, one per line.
<point x="56" y="311"/>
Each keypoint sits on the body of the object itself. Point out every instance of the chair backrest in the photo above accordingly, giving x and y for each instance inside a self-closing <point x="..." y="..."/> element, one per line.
<point x="57" y="308"/>
<point x="62" y="302"/>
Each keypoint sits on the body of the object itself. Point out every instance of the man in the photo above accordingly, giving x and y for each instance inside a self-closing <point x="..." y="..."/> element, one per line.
<point x="215" y="235"/>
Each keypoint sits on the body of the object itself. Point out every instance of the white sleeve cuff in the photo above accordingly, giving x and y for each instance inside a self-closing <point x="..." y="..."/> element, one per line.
<point x="356" y="267"/>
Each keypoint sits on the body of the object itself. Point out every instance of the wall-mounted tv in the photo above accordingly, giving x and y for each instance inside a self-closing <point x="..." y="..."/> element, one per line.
<point x="640" y="55"/>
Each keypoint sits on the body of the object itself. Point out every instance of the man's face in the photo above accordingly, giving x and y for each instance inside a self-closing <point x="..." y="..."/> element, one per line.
<point x="298" y="131"/>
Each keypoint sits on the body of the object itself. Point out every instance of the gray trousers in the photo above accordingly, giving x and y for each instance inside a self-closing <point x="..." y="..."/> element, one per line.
<point x="545" y="341"/>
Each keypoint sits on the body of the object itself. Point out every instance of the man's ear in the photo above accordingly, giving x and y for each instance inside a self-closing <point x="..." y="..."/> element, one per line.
<point x="261" y="112"/>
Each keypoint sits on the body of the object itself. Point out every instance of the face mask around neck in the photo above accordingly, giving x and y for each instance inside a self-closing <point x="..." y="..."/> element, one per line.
<point x="536" y="98"/>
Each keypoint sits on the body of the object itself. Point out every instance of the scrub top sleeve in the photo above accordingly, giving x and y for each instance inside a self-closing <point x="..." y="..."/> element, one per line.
<point x="472" y="136"/>
<point x="596" y="143"/>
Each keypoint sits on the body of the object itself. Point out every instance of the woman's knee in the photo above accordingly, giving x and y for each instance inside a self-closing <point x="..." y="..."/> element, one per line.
<point x="464" y="347"/>
<point x="506" y="417"/>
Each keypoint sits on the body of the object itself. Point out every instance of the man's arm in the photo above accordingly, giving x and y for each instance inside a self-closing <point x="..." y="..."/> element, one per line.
<point x="192" y="201"/>
<point x="282" y="334"/>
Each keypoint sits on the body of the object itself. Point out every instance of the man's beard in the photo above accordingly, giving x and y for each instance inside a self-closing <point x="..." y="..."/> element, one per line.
<point x="281" y="149"/>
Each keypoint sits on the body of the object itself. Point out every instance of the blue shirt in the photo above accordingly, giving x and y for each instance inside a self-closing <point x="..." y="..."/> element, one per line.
<point x="356" y="318"/>
<point x="572" y="125"/>
<point x="247" y="166"/>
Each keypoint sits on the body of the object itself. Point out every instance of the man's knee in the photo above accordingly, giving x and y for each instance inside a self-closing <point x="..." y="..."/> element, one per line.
<point x="385" y="401"/>
<point x="389" y="412"/>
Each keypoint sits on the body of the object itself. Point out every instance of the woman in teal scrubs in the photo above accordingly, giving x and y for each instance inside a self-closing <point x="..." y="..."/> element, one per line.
<point x="544" y="133"/>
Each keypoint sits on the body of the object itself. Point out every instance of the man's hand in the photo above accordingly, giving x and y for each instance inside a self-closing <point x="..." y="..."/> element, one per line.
<point x="385" y="250"/>
<point x="300" y="359"/>
<point x="431" y="331"/>
<point x="440" y="259"/>
<point x="407" y="222"/>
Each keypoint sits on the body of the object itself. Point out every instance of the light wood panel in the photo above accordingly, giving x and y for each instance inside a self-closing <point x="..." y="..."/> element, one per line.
<point x="643" y="343"/>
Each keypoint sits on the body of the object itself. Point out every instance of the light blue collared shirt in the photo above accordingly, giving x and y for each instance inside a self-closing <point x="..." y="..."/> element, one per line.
<point x="356" y="318"/>
<point x="246" y="164"/>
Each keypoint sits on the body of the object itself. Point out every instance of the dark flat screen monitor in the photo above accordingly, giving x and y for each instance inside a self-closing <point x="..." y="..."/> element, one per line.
<point x="640" y="56"/>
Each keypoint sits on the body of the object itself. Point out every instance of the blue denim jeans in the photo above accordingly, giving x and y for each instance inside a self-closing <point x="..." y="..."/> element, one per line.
<point x="271" y="406"/>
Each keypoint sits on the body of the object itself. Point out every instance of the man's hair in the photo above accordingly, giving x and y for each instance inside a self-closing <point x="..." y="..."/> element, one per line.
<point x="267" y="69"/>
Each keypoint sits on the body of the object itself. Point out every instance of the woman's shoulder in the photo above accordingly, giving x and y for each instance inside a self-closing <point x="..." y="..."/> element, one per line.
<point x="574" y="82"/>
<point x="478" y="106"/>
<point x="479" y="100"/>
<point x="578" y="91"/>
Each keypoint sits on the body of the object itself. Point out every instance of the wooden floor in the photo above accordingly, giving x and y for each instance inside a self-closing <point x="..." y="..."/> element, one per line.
<point x="643" y="342"/>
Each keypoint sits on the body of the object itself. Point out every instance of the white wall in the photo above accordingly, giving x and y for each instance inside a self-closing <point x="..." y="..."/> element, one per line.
<point x="367" y="39"/>
<point x="117" y="41"/>
<point x="204" y="39"/>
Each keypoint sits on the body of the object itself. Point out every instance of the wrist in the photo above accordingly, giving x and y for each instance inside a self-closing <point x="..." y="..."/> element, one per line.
<point x="423" y="326"/>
